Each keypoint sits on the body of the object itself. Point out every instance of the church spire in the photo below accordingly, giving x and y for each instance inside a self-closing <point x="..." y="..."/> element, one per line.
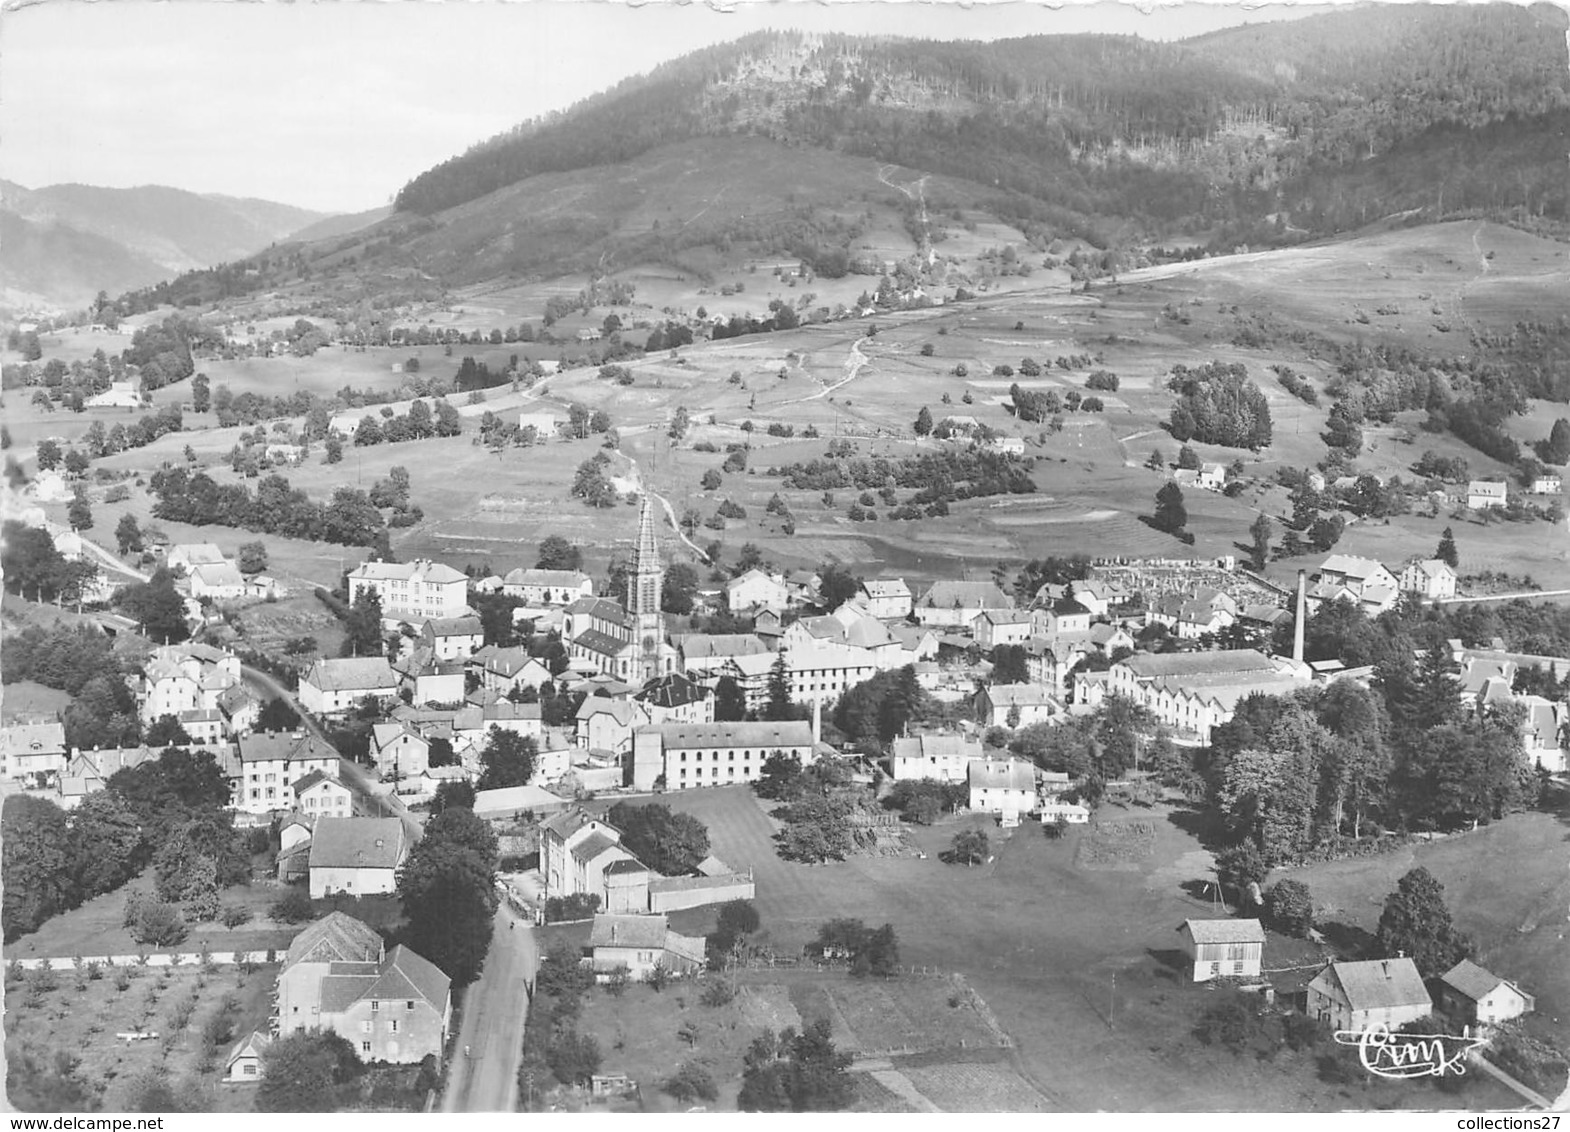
<point x="647" y="573"/>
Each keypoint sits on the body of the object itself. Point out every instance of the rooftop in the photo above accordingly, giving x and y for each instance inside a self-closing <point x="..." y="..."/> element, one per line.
<point x="629" y="931"/>
<point x="1377" y="984"/>
<point x="1225" y="931"/>
<point x="791" y="733"/>
<point x="357" y="843"/>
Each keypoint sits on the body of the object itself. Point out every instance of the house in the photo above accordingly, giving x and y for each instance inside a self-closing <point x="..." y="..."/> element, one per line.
<point x="119" y="395"/>
<point x="1211" y="477"/>
<point x="264" y="586"/>
<point x="1095" y="594"/>
<point x="334" y="685"/>
<point x="945" y="757"/>
<point x="271" y="762"/>
<point x="320" y="794"/>
<point x="391" y="1006"/>
<point x="756" y="590"/>
<point x="689" y="755"/>
<point x="1431" y="578"/>
<point x="1223" y="948"/>
<point x="1194" y="692"/>
<point x="1375" y="992"/>
<point x="428" y="680"/>
<point x="1062" y="616"/>
<point x="217" y="581"/>
<point x="604" y="724"/>
<point x="1472" y="996"/>
<point x="1483" y="494"/>
<point x="1013" y="445"/>
<point x="997" y="627"/>
<point x="452" y="638"/>
<point x="179" y="680"/>
<point x="542" y="421"/>
<point x="1547" y="484"/>
<point x="676" y="698"/>
<point x="358" y="856"/>
<point x="549" y="588"/>
<point x="575" y="851"/>
<point x="1357" y="574"/>
<point x="958" y="604"/>
<point x="639" y="944"/>
<point x="887" y="598"/>
<point x="1002" y="786"/>
<point x="244" y="1063"/>
<point x="33" y="752"/>
<point x="507" y="670"/>
<point x="509" y="802"/>
<point x="400" y="751"/>
<point x="415" y="591"/>
<point x="1541" y="732"/>
<point x="1014" y="705"/>
<point x="189" y="555"/>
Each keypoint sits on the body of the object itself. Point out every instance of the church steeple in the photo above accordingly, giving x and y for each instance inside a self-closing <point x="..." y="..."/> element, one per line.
<point x="643" y="595"/>
<point x="647" y="573"/>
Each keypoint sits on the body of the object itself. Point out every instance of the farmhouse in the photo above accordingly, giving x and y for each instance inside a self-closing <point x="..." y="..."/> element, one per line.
<point x="1548" y="484"/>
<point x="1006" y="786"/>
<point x="415" y="592"/>
<point x="358" y="856"/>
<point x="756" y="590"/>
<point x="1014" y="705"/>
<point x="639" y="944"/>
<point x="550" y="588"/>
<point x="333" y="685"/>
<point x="1483" y="494"/>
<point x="452" y="638"/>
<point x="1373" y="992"/>
<point x="1217" y="948"/>
<point x="189" y="555"/>
<point x="400" y="751"/>
<point x="575" y="851"/>
<point x="1002" y="627"/>
<point x="119" y="395"/>
<point x="945" y="757"/>
<point x="217" y="580"/>
<point x="1472" y="996"/>
<point x="715" y="754"/>
<point x="507" y="670"/>
<point x="320" y="794"/>
<point x="1430" y="578"/>
<point x="543" y="422"/>
<point x="390" y="1005"/>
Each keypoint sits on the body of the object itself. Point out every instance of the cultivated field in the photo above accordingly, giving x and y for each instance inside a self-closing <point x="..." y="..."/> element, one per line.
<point x="1041" y="938"/>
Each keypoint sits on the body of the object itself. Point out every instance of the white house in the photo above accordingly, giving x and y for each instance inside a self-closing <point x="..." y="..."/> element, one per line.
<point x="189" y="555"/>
<point x="358" y="856"/>
<point x="506" y="670"/>
<point x="998" y="627"/>
<point x="945" y="757"/>
<point x="543" y="422"/>
<point x="1548" y="484"/>
<point x="1472" y="996"/>
<point x="335" y="684"/>
<point x="1431" y="578"/>
<point x="549" y="588"/>
<point x="453" y="638"/>
<point x="1033" y="703"/>
<point x="1005" y="786"/>
<point x="272" y="762"/>
<point x="320" y="794"/>
<point x="958" y="604"/>
<point x="1483" y="494"/>
<point x="1223" y="948"/>
<point x="400" y="751"/>
<point x="1211" y="477"/>
<point x="639" y="943"/>
<point x="244" y="1063"/>
<point x="32" y="752"/>
<point x="888" y="598"/>
<point x="756" y="590"/>
<point x="1373" y="992"/>
<point x="219" y="581"/>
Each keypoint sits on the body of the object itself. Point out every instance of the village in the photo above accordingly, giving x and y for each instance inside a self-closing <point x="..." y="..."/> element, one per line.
<point x="664" y="714"/>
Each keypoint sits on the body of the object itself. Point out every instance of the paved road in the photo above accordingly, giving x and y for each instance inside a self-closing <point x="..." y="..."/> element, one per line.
<point x="486" y="1079"/>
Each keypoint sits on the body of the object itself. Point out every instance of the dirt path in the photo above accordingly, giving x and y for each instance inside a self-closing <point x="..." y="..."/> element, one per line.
<point x="920" y="197"/>
<point x="853" y="366"/>
<point x="670" y="512"/>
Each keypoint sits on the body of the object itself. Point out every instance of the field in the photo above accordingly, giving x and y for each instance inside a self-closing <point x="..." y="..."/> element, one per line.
<point x="81" y="1020"/>
<point x="849" y="383"/>
<point x="1042" y="938"/>
<point x="25" y="698"/>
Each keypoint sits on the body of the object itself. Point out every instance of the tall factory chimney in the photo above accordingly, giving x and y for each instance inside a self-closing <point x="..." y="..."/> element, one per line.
<point x="1302" y="616"/>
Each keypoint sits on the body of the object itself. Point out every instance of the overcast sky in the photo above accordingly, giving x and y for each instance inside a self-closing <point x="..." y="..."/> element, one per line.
<point x="333" y="106"/>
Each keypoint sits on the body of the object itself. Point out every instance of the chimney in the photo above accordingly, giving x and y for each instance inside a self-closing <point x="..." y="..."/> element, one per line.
<point x="1302" y="616"/>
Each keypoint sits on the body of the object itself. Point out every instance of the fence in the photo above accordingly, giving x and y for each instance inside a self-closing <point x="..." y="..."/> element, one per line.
<point x="150" y="959"/>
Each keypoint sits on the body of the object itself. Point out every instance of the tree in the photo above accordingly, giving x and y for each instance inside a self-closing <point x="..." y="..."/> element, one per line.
<point x="157" y="606"/>
<point x="107" y="844"/>
<point x="1010" y="665"/>
<point x="49" y="456"/>
<point x="277" y="715"/>
<point x="970" y="847"/>
<point x="306" y="1072"/>
<point x="128" y="535"/>
<point x="690" y="1082"/>
<point x="668" y="843"/>
<point x="711" y="480"/>
<point x="167" y="731"/>
<point x="1325" y="532"/>
<point x="923" y="425"/>
<point x="80" y="513"/>
<point x="36" y="864"/>
<point x="1260" y="531"/>
<point x="252" y="557"/>
<point x="363" y="625"/>
<point x="293" y="907"/>
<point x="836" y="585"/>
<point x="1240" y="866"/>
<point x="201" y="393"/>
<point x="508" y="759"/>
<point x="1446" y="552"/>
<point x="796" y="1072"/>
<point x="679" y="592"/>
<point x="1187" y="459"/>
<point x="447" y="889"/>
<point x="1416" y="923"/>
<point x="556" y="553"/>
<point x="1171" y="515"/>
<point x="333" y="449"/>
<point x="1289" y="908"/>
<point x="779" y="706"/>
<point x="453" y="795"/>
<point x="1156" y="461"/>
<point x="730" y="702"/>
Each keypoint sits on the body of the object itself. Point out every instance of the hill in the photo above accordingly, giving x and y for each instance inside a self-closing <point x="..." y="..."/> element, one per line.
<point x="117" y="239"/>
<point x="341" y="225"/>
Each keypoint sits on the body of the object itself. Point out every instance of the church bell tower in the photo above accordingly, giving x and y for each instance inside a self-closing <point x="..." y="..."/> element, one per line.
<point x="648" y="623"/>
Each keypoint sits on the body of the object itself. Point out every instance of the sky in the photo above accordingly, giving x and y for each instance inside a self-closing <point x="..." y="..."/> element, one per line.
<point x="333" y="106"/>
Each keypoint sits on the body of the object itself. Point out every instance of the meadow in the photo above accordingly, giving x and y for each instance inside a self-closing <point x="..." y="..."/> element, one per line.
<point x="1076" y="962"/>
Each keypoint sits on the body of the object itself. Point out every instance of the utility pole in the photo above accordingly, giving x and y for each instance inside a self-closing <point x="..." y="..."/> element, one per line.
<point x="1113" y="1004"/>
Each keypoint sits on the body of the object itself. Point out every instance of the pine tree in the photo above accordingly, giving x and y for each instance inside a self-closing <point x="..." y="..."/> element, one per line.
<point x="1447" y="549"/>
<point x="779" y="706"/>
<point x="1261" y="530"/>
<point x="1416" y="923"/>
<point x="1171" y="515"/>
<point x="923" y="424"/>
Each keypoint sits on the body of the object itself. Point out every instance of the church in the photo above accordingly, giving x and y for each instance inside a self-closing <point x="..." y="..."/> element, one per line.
<point x="629" y="643"/>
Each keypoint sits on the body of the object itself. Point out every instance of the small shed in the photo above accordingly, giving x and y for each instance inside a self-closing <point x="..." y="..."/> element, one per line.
<point x="244" y="1063"/>
<point x="1223" y="948"/>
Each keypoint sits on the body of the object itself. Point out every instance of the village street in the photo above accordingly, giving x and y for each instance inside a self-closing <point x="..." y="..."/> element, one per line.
<point x="486" y="1078"/>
